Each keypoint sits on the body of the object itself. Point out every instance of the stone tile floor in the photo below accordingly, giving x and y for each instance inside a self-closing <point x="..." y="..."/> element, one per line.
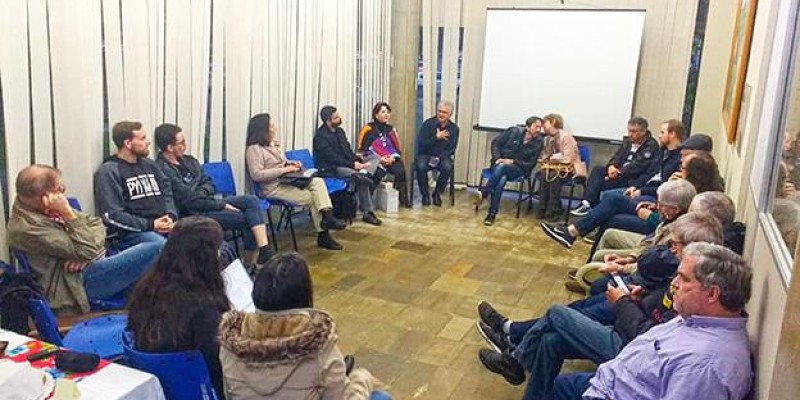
<point x="404" y="294"/>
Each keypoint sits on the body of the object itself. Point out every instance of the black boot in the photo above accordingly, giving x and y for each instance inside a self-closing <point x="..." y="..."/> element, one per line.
<point x="331" y="222"/>
<point x="326" y="241"/>
<point x="437" y="198"/>
<point x="264" y="254"/>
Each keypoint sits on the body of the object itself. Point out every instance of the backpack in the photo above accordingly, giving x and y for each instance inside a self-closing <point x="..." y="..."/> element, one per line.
<point x="16" y="289"/>
<point x="344" y="205"/>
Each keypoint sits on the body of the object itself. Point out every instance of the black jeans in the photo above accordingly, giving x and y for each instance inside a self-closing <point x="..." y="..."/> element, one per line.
<point x="597" y="183"/>
<point x="445" y="169"/>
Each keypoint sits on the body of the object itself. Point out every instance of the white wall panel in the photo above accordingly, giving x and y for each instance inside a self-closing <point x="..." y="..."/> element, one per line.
<point x="40" y="81"/>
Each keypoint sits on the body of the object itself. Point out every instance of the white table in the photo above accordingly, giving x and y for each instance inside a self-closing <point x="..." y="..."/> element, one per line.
<point x="112" y="382"/>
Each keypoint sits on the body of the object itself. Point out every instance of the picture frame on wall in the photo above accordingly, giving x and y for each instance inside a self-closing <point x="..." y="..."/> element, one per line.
<point x="737" y="65"/>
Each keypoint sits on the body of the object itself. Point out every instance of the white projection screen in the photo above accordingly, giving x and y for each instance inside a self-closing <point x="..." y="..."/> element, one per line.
<point x="581" y="64"/>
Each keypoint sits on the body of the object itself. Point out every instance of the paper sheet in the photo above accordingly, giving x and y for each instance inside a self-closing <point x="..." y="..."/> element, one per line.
<point x="238" y="286"/>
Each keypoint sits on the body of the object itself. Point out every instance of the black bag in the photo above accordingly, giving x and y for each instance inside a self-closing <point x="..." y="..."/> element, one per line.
<point x="344" y="205"/>
<point x="16" y="288"/>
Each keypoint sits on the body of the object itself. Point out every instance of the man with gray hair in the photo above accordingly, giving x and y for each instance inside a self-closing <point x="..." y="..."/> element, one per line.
<point x="721" y="207"/>
<point x="438" y="138"/>
<point x="683" y="358"/>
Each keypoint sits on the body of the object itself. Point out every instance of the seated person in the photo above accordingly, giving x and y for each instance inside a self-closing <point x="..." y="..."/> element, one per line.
<point x="178" y="304"/>
<point x="378" y="140"/>
<point x="702" y="171"/>
<point x="628" y="167"/>
<point x="334" y="157"/>
<point x="194" y="194"/>
<point x="132" y="195"/>
<point x="683" y="358"/>
<point x="286" y="349"/>
<point x="438" y="138"/>
<point x="560" y="146"/>
<point x="674" y="198"/>
<point x="66" y="248"/>
<point x="514" y="154"/>
<point x="670" y="135"/>
<point x="266" y="162"/>
<point x="541" y="345"/>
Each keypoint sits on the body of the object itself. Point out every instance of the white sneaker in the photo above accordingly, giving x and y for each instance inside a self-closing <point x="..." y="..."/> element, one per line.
<point x="582" y="210"/>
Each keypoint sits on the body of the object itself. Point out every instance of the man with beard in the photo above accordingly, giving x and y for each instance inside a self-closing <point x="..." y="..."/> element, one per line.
<point x="132" y="195"/>
<point x="333" y="156"/>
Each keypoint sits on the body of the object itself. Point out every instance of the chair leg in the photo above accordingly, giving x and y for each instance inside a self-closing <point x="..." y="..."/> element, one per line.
<point x="480" y="185"/>
<point x="452" y="188"/>
<point x="291" y="230"/>
<point x="569" y="203"/>
<point x="519" y="196"/>
<point x="272" y="231"/>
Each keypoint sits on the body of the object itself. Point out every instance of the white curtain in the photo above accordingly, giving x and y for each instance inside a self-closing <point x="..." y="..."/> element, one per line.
<point x="71" y="69"/>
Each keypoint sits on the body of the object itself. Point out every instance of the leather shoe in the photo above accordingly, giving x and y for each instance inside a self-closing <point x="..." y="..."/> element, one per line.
<point x="370" y="218"/>
<point x="349" y="363"/>
<point x="437" y="199"/>
<point x="502" y="364"/>
<point x="426" y="200"/>
<point x="264" y="254"/>
<point x="331" y="222"/>
<point x="575" y="287"/>
<point x="326" y="241"/>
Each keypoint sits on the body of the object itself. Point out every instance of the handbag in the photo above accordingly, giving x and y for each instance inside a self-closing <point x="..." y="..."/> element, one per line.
<point x="556" y="170"/>
<point x="299" y="179"/>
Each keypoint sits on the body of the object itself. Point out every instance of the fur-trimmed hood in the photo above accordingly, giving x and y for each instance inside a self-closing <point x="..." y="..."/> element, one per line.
<point x="276" y="337"/>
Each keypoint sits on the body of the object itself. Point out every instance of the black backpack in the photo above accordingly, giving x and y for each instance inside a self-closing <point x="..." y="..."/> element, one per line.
<point x="16" y="289"/>
<point x="344" y="205"/>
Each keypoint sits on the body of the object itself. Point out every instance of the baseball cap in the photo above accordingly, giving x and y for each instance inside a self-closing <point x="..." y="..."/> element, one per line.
<point x="698" y="141"/>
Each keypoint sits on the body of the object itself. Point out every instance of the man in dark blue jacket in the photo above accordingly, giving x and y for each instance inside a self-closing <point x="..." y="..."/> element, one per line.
<point x="438" y="138"/>
<point x="628" y="166"/>
<point x="514" y="154"/>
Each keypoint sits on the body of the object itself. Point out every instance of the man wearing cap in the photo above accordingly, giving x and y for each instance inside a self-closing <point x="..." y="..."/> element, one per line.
<point x="334" y="156"/>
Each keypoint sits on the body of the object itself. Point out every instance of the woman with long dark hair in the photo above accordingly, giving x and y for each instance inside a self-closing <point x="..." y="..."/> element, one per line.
<point x="378" y="140"/>
<point x="286" y="349"/>
<point x="178" y="304"/>
<point x="266" y="163"/>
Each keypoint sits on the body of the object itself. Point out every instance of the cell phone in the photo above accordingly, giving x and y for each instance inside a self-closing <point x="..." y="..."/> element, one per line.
<point x="41" y="355"/>
<point x="618" y="282"/>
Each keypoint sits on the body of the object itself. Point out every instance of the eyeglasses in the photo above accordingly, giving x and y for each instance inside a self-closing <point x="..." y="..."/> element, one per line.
<point x="62" y="188"/>
<point x="672" y="243"/>
<point x="667" y="206"/>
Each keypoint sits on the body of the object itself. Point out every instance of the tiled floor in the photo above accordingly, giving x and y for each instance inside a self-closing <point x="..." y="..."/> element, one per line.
<point x="404" y="294"/>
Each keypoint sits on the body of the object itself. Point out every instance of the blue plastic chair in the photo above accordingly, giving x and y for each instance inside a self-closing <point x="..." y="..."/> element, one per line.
<point x="99" y="335"/>
<point x="307" y="161"/>
<point x="486" y="173"/>
<point x="586" y="157"/>
<point x="183" y="375"/>
<point x="287" y="211"/>
<point x="221" y="175"/>
<point x="115" y="303"/>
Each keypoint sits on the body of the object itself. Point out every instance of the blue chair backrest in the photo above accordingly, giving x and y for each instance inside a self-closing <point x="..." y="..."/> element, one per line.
<point x="45" y="321"/>
<point x="74" y="203"/>
<point x="221" y="175"/>
<point x="302" y="155"/>
<point x="586" y="155"/>
<point x="100" y="335"/>
<point x="183" y="375"/>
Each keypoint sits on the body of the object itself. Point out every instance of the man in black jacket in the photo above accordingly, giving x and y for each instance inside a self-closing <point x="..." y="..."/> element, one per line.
<point x="194" y="194"/>
<point x="541" y="345"/>
<point x="514" y="154"/>
<point x="438" y="138"/>
<point x="629" y="164"/>
<point x="333" y="156"/>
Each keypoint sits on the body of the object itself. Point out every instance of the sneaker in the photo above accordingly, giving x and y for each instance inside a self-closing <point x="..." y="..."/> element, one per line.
<point x="491" y="317"/>
<point x="495" y="339"/>
<point x="559" y="234"/>
<point x="489" y="220"/>
<point x="575" y="286"/>
<point x="502" y="364"/>
<point x="349" y="363"/>
<point x="370" y="218"/>
<point x="582" y="210"/>
<point x="589" y="239"/>
<point x="264" y="254"/>
<point x="477" y="199"/>
<point x="326" y="241"/>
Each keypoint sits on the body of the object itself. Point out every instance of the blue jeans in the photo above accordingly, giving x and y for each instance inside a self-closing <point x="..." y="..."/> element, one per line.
<point x="248" y="216"/>
<point x="445" y="169"/>
<point x="571" y="386"/>
<point x="605" y="210"/>
<point x="597" y="184"/>
<point x="609" y="192"/>
<point x="106" y="278"/>
<point x="379" y="395"/>
<point x="595" y="307"/>
<point x="501" y="173"/>
<point x="562" y="333"/>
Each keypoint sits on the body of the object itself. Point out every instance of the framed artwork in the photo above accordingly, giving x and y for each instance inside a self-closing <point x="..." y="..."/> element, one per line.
<point x="737" y="65"/>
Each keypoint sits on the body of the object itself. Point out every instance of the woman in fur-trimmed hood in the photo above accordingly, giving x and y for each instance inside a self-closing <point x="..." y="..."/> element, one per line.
<point x="286" y="349"/>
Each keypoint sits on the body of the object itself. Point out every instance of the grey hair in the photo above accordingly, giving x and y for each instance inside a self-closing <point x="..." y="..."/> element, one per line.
<point x="718" y="266"/>
<point x="697" y="226"/>
<point x="715" y="203"/>
<point x="447" y="104"/>
<point x="678" y="192"/>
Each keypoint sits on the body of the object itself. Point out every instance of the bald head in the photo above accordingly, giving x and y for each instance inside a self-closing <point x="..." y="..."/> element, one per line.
<point x="35" y="180"/>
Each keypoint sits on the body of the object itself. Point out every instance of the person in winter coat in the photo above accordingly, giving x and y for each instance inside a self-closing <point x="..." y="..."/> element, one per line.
<point x="286" y="349"/>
